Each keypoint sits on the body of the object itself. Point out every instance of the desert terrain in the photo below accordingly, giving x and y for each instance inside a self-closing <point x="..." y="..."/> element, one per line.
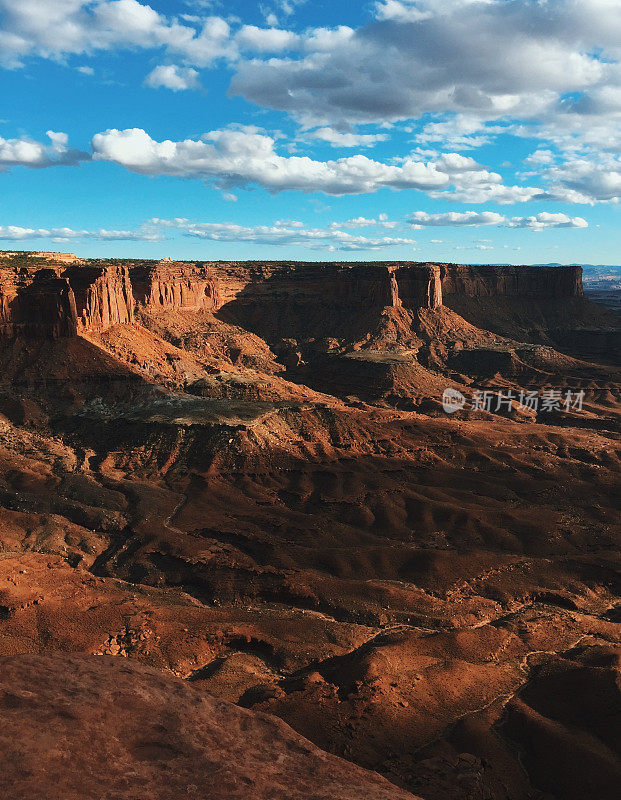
<point x="245" y="552"/>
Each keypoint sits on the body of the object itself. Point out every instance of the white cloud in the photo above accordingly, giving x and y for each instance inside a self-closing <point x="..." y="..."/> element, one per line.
<point x="270" y="40"/>
<point x="285" y="233"/>
<point x="438" y="57"/>
<point x="239" y="157"/>
<point x="363" y="222"/>
<point x="279" y="7"/>
<point x="36" y="155"/>
<point x="64" y="27"/>
<point x="173" y="77"/>
<point x="282" y="233"/>
<point x="236" y="158"/>
<point x="86" y="70"/>
<point x="586" y="180"/>
<point x="540" y="158"/>
<point x="420" y="219"/>
<point x="16" y="233"/>
<point x="497" y="193"/>
<point x="460" y="131"/>
<point x="538" y="222"/>
<point x="338" y="139"/>
<point x="326" y="40"/>
<point x="559" y="66"/>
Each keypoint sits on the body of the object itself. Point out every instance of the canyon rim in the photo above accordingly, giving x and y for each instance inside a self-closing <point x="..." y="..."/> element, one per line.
<point x="310" y="400"/>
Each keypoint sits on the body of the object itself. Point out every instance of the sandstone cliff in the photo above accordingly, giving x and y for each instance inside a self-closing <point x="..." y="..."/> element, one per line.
<point x="511" y="281"/>
<point x="277" y="300"/>
<point x="58" y="302"/>
<point x="322" y="300"/>
<point x="40" y="306"/>
<point x="174" y="285"/>
<point x="103" y="296"/>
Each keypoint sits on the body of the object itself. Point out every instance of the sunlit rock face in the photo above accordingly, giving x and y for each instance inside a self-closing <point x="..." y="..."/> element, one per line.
<point x="277" y="299"/>
<point x="103" y="296"/>
<point x="174" y="285"/>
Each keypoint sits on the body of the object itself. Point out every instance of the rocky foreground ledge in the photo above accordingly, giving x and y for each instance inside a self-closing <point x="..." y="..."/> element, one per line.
<point x="85" y="728"/>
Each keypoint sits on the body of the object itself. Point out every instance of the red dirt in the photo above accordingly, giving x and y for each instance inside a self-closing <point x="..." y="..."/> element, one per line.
<point x="293" y="524"/>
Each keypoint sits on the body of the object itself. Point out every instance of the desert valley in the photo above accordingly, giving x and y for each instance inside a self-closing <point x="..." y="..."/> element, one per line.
<point x="238" y="484"/>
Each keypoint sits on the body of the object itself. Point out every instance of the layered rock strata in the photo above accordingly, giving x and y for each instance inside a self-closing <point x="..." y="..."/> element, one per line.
<point x="103" y="296"/>
<point x="175" y="285"/>
<point x="276" y="300"/>
<point x="510" y="281"/>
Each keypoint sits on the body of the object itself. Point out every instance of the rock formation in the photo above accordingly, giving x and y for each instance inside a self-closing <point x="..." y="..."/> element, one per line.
<point x="238" y="480"/>
<point x="41" y="305"/>
<point x="103" y="296"/>
<point x="174" y="285"/>
<point x="58" y="302"/>
<point x="551" y="283"/>
<point x="84" y="728"/>
<point x="295" y="299"/>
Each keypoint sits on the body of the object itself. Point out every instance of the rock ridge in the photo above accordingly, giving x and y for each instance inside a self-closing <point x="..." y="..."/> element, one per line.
<point x="291" y="299"/>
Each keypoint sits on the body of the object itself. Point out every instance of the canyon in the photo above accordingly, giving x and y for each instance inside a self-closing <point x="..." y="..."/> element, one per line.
<point x="102" y="296"/>
<point x="231" y="498"/>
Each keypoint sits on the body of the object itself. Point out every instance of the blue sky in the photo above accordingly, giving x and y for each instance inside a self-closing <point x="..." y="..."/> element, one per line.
<point x="459" y="130"/>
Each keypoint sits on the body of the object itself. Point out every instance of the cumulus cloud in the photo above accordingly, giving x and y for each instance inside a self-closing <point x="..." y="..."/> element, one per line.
<point x="585" y="180"/>
<point x="420" y="219"/>
<point x="270" y="40"/>
<point x="538" y="222"/>
<point x="36" y="155"/>
<point x="64" y="27"/>
<point x="459" y="131"/>
<point x="429" y="56"/>
<point x="338" y="139"/>
<point x="558" y="79"/>
<point x="279" y="8"/>
<point x="497" y="193"/>
<point x="234" y="158"/>
<point x="540" y="157"/>
<point x="560" y="66"/>
<point x="173" y="77"/>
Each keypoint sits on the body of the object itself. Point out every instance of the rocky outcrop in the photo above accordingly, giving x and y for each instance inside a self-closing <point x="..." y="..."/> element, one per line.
<point x="60" y="258"/>
<point x="319" y="300"/>
<point x="55" y="302"/>
<point x="76" y="727"/>
<point x="175" y="285"/>
<point x="303" y="301"/>
<point x="103" y="296"/>
<point x="538" y="305"/>
<point x="276" y="300"/>
<point x="39" y="306"/>
<point x="485" y="280"/>
<point x="419" y="286"/>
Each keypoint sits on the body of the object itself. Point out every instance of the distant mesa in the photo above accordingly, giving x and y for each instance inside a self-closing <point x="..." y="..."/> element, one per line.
<point x="77" y="296"/>
<point x="63" y="258"/>
<point x="54" y="295"/>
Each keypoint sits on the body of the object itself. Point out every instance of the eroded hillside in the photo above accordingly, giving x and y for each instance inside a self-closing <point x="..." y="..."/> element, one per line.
<point x="242" y="474"/>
